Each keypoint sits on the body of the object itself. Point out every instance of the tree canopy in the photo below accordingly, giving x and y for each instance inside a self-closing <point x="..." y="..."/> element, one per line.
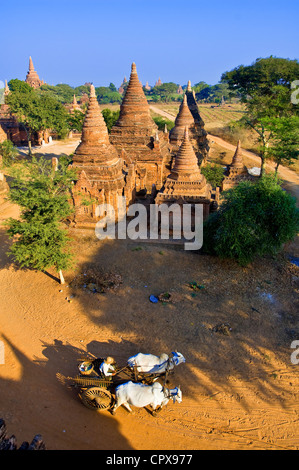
<point x="36" y="110"/>
<point x="165" y="92"/>
<point x="266" y="87"/>
<point x="254" y="219"/>
<point x="39" y="239"/>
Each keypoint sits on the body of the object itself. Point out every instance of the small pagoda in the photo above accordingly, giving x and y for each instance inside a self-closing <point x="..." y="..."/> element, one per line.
<point x="74" y="106"/>
<point x="236" y="171"/>
<point x="186" y="183"/>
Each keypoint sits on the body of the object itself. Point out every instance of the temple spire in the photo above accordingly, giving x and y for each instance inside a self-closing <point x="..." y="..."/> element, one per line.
<point x="32" y="77"/>
<point x="237" y="161"/>
<point x="6" y="89"/>
<point x="31" y="67"/>
<point x="95" y="142"/>
<point x="186" y="162"/>
<point x="134" y="110"/>
<point x="183" y="119"/>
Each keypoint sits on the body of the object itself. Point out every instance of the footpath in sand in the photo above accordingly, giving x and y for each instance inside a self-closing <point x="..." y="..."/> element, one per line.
<point x="240" y="389"/>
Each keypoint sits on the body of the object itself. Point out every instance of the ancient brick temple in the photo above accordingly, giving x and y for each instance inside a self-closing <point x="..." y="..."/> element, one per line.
<point x="123" y="86"/>
<point x="137" y="136"/>
<point x="186" y="183"/>
<point x="32" y="77"/>
<point x="236" y="171"/>
<point x="101" y="175"/>
<point x="13" y="129"/>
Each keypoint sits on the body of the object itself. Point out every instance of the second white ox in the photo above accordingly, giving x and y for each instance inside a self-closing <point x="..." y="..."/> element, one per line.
<point x="141" y="395"/>
<point x="154" y="364"/>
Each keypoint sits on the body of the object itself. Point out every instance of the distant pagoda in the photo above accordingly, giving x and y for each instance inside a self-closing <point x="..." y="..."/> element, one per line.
<point x="123" y="86"/>
<point x="137" y="136"/>
<point x="74" y="106"/>
<point x="6" y="89"/>
<point x="32" y="77"/>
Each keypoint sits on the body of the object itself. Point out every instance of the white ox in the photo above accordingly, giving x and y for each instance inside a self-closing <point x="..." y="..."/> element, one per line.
<point x="140" y="395"/>
<point x="154" y="364"/>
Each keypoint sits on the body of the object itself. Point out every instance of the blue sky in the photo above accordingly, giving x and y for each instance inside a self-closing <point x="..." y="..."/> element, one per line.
<point x="74" y="41"/>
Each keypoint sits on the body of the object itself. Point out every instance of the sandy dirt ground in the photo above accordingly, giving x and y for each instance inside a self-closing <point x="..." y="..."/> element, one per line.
<point x="240" y="387"/>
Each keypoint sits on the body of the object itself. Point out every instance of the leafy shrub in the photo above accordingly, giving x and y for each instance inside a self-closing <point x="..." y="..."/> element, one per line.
<point x="254" y="219"/>
<point x="213" y="173"/>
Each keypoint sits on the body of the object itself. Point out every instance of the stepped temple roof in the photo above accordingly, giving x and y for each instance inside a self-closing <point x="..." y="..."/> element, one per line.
<point x="185" y="182"/>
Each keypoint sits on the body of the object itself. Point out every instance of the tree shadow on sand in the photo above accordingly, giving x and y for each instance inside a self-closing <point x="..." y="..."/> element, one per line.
<point x="235" y="330"/>
<point x="49" y="408"/>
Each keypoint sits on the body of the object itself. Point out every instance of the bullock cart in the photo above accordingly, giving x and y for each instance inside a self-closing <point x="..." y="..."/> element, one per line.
<point x="97" y="392"/>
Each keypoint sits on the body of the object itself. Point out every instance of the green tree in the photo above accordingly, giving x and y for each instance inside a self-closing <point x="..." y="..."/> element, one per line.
<point x="75" y="120"/>
<point x="63" y="93"/>
<point x="214" y="174"/>
<point x="106" y="95"/>
<point x="40" y="239"/>
<point x="262" y="76"/>
<point x="82" y="90"/>
<point x="199" y="86"/>
<point x="254" y="219"/>
<point x="8" y="152"/>
<point x="37" y="111"/>
<point x="214" y="93"/>
<point x="110" y="118"/>
<point x="165" y="92"/>
<point x="161" y="122"/>
<point x="284" y="137"/>
<point x="16" y="85"/>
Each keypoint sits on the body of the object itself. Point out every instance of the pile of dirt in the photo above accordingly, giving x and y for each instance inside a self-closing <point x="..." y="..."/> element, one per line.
<point x="96" y="281"/>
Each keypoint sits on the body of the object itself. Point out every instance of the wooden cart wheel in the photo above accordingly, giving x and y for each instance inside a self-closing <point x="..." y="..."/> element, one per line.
<point x="96" y="398"/>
